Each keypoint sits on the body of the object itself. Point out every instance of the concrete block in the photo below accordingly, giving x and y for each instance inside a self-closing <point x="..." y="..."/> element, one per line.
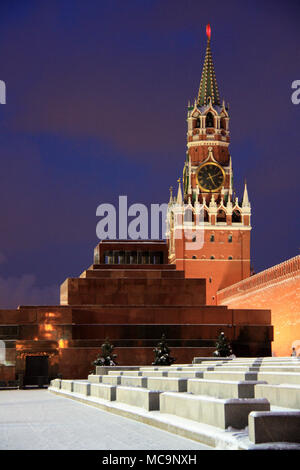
<point x="228" y="375"/>
<point x="67" y="385"/>
<point x="104" y="370"/>
<point x="106" y="392"/>
<point x="133" y="373"/>
<point x="56" y="383"/>
<point x="222" y="388"/>
<point x="81" y="387"/>
<point x="129" y="381"/>
<point x="155" y="373"/>
<point x="274" y="426"/>
<point x="111" y="379"/>
<point x="284" y="395"/>
<point x="140" y="397"/>
<point x="95" y="379"/>
<point x="200" y="360"/>
<point x="235" y="368"/>
<point x="167" y="384"/>
<point x="280" y="368"/>
<point x="279" y="377"/>
<point x="217" y="412"/>
<point x="186" y="374"/>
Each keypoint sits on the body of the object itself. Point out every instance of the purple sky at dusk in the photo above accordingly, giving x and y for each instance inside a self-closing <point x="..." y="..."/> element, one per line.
<point x="97" y="95"/>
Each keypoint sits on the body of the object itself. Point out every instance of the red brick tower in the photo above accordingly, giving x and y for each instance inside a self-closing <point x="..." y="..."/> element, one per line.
<point x="218" y="247"/>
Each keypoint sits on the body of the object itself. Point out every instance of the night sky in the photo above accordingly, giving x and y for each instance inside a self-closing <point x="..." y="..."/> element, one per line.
<point x="97" y="94"/>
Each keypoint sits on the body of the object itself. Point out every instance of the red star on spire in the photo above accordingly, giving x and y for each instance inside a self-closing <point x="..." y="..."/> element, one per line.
<point x="208" y="31"/>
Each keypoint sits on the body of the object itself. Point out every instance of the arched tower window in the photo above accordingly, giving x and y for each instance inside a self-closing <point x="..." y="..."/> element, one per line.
<point x="223" y="123"/>
<point x="236" y="216"/>
<point x="205" y="216"/>
<point x="209" y="122"/>
<point x="188" y="215"/>
<point x="221" y="217"/>
<point x="197" y="124"/>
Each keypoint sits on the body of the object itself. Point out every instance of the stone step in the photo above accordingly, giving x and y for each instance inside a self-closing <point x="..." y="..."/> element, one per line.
<point x="95" y="379"/>
<point x="281" y="359"/>
<point x="111" y="379"/>
<point x="104" y="391"/>
<point x="227" y="375"/>
<point x="280" y="426"/>
<point x="167" y="384"/>
<point x="178" y="368"/>
<point x="221" y="413"/>
<point x="109" y="267"/>
<point x="283" y="395"/>
<point x="128" y="381"/>
<point x="134" y="373"/>
<point x="201" y="360"/>
<point x="154" y="373"/>
<point x="235" y="368"/>
<point x="56" y="383"/>
<point x="67" y="385"/>
<point x="81" y="387"/>
<point x="140" y="397"/>
<point x="279" y="369"/>
<point x="132" y="274"/>
<point x="103" y="370"/>
<point x="186" y="374"/>
<point x="124" y="291"/>
<point x="223" y="388"/>
<point x="279" y="377"/>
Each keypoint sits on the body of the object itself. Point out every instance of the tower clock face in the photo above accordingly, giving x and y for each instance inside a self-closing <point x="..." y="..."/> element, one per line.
<point x="211" y="177"/>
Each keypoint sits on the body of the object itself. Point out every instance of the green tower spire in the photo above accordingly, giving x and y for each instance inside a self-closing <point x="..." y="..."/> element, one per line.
<point x="208" y="84"/>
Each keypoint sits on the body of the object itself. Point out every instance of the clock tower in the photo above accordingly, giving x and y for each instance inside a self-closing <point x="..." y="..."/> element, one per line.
<point x="208" y="227"/>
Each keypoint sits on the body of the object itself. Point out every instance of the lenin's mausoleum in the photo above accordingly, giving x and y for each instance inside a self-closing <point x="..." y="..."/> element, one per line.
<point x="135" y="291"/>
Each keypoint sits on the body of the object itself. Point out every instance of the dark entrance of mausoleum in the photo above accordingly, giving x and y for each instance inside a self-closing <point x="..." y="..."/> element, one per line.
<point x="36" y="372"/>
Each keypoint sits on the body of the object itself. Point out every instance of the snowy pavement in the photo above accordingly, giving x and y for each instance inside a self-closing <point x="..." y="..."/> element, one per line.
<point x="39" y="420"/>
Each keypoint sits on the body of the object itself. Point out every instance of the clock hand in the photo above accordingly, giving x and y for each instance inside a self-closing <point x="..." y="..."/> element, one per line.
<point x="209" y="175"/>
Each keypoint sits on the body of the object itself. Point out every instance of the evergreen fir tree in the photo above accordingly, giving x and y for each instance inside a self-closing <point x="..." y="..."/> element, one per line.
<point x="223" y="346"/>
<point x="107" y="358"/>
<point x="162" y="354"/>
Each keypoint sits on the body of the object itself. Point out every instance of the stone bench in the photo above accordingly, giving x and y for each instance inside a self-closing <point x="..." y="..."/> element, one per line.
<point x="67" y="385"/>
<point x="222" y="388"/>
<point x="274" y="426"/>
<point x="173" y="368"/>
<point x="140" y="397"/>
<point x="83" y="388"/>
<point x="134" y="373"/>
<point x="279" y="377"/>
<point x="111" y="379"/>
<point x="56" y="383"/>
<point x="155" y="373"/>
<point x="129" y="381"/>
<point x="221" y="413"/>
<point x="186" y="374"/>
<point x="285" y="395"/>
<point x="106" y="392"/>
<point x="103" y="370"/>
<point x="228" y="375"/>
<point x="95" y="379"/>
<point x="167" y="384"/>
<point x="201" y="360"/>
<point x="280" y="369"/>
<point x="236" y="368"/>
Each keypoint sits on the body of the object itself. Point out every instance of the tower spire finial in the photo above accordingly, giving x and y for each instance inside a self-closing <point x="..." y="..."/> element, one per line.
<point x="208" y="31"/>
<point x="179" y="193"/>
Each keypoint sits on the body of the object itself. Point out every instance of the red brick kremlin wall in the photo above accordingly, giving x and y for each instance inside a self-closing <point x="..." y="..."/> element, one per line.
<point x="278" y="289"/>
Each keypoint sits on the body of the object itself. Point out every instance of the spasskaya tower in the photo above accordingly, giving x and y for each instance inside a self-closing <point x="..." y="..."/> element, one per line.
<point x="223" y="256"/>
